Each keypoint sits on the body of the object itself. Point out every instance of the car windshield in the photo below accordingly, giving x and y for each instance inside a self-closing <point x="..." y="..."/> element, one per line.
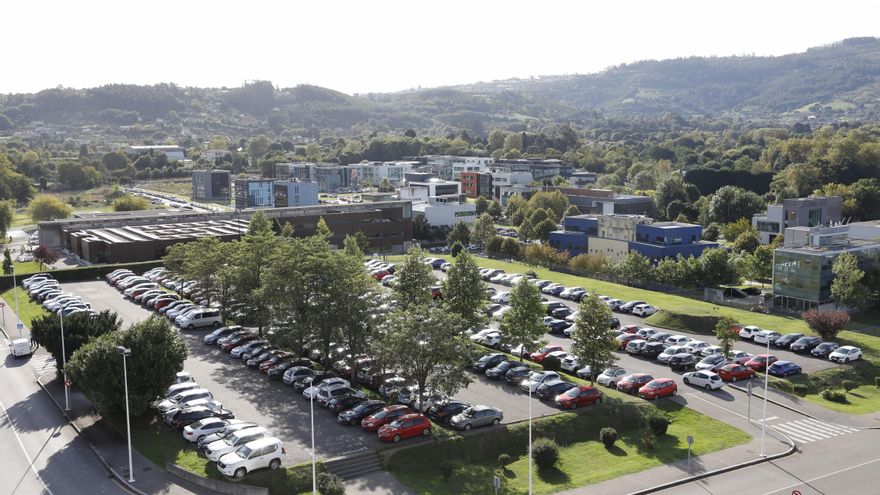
<point x="572" y="392"/>
<point x="469" y="412"/>
<point x="244" y="451"/>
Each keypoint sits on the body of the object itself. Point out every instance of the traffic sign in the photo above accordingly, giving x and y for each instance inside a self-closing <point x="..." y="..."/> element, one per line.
<point x="67" y="383"/>
<point x="19" y="325"/>
<point x="2" y="304"/>
<point x="795" y="492"/>
<point x="690" y="440"/>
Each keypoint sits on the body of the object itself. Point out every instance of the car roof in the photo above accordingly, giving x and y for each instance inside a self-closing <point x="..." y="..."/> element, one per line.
<point x="846" y="348"/>
<point x="481" y="407"/>
<point x="262" y="442"/>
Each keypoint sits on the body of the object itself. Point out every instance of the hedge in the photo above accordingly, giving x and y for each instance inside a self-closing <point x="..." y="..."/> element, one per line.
<point x="83" y="273"/>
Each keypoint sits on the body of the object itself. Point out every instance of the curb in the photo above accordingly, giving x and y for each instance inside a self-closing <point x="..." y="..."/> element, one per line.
<point x="121" y="480"/>
<point x="792" y="409"/>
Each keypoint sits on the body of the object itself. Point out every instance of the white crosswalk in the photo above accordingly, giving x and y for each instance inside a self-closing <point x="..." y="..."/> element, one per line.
<point x="812" y="430"/>
<point x="42" y="363"/>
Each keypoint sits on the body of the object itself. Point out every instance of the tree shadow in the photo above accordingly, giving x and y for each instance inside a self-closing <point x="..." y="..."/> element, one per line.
<point x="508" y="473"/>
<point x="856" y="394"/>
<point x="616" y="451"/>
<point x="553" y="476"/>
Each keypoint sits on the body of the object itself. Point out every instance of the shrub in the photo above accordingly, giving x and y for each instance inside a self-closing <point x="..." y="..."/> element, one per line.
<point x="826" y="323"/>
<point x="503" y="460"/>
<point x="799" y="389"/>
<point x="330" y="484"/>
<point x="551" y="363"/>
<point x="832" y="395"/>
<point x="658" y="425"/>
<point x="848" y="385"/>
<point x="456" y="248"/>
<point x="877" y="381"/>
<point x="545" y="452"/>
<point x="608" y="436"/>
<point x="446" y="469"/>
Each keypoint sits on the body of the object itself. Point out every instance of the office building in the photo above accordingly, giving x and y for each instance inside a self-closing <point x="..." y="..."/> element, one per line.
<point x="540" y="169"/>
<point x="253" y="193"/>
<point x="605" y="201"/>
<point x="797" y="212"/>
<point x="294" y="193"/>
<point x="211" y="185"/>
<point x="476" y="184"/>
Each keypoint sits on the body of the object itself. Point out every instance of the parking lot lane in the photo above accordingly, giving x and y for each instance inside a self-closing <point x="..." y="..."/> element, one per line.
<point x="498" y="393"/>
<point x="101" y="296"/>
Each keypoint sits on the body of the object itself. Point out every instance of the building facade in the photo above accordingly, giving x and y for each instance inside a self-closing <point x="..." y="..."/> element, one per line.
<point x="294" y="193"/>
<point x="797" y="212"/>
<point x="606" y="201"/>
<point x="476" y="184"/>
<point x="253" y="193"/>
<point x="211" y="185"/>
<point x="170" y="151"/>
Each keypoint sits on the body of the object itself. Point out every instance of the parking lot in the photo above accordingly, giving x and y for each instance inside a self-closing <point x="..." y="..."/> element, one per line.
<point x="253" y="397"/>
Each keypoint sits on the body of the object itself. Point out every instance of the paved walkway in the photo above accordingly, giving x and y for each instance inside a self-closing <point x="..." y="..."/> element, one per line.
<point x="819" y="412"/>
<point x="377" y="483"/>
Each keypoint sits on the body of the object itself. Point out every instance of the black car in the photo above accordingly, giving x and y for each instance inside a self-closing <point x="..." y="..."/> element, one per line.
<point x="344" y="403"/>
<point x="190" y="415"/>
<point x="553" y="306"/>
<point x="659" y="337"/>
<point x="353" y="416"/>
<point x="306" y="381"/>
<point x="786" y="340"/>
<point x="615" y="323"/>
<point x="549" y="390"/>
<point x="256" y="361"/>
<point x="515" y="376"/>
<point x="628" y="306"/>
<point x="682" y="361"/>
<point x="557" y="326"/>
<point x="824" y="349"/>
<point x="443" y="411"/>
<point x="805" y="344"/>
<point x="652" y="349"/>
<point x="256" y="351"/>
<point x="218" y="334"/>
<point x="492" y="308"/>
<point x="561" y="313"/>
<point x="277" y="372"/>
<point x="488" y="361"/>
<point x="500" y="369"/>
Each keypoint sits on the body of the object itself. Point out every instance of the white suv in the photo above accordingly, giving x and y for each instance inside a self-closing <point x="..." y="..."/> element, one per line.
<point x="200" y="318"/>
<point x="215" y="450"/>
<point x="265" y="452"/>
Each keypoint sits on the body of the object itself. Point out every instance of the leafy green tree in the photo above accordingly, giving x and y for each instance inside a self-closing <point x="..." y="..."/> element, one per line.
<point x="760" y="264"/>
<point x="541" y="231"/>
<point x="483" y="229"/>
<point x="732" y="231"/>
<point x="254" y="252"/>
<point x="464" y="291"/>
<point x="727" y="332"/>
<point x="711" y="232"/>
<point x="482" y="205"/>
<point x="157" y="354"/>
<point x="79" y="329"/>
<point x="670" y="188"/>
<point x="523" y="324"/>
<point x="130" y="203"/>
<point x="538" y="215"/>
<point x="7" y="212"/>
<point x="525" y="230"/>
<point x="510" y="247"/>
<point x="414" y="279"/>
<point x="633" y="267"/>
<point x="362" y="241"/>
<point x="258" y="147"/>
<point x="351" y="247"/>
<point x="747" y="242"/>
<point x="730" y="203"/>
<point x="496" y="139"/>
<point x="572" y="210"/>
<point x="7" y="262"/>
<point x="717" y="268"/>
<point x="459" y="233"/>
<point x="47" y="207"/>
<point x="554" y="201"/>
<point x="494" y="244"/>
<point x="494" y="210"/>
<point x="594" y="341"/>
<point x="385" y="186"/>
<point x="847" y="288"/>
<point x="115" y="160"/>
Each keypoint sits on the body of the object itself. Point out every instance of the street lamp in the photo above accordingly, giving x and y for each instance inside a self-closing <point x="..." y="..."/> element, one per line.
<point x="530" y="438"/>
<point x="766" y="381"/>
<point x="125" y="353"/>
<point x="64" y="365"/>
<point x="314" y="457"/>
<point x="15" y="294"/>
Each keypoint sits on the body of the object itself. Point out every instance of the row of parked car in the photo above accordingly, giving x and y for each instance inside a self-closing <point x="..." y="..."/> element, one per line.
<point x="44" y="289"/>
<point x="802" y="344"/>
<point x="238" y="447"/>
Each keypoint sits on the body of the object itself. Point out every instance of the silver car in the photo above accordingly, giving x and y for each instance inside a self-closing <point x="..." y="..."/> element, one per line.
<point x="477" y="416"/>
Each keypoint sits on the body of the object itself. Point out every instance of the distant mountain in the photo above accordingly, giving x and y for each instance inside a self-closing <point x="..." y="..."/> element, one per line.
<point x="837" y="81"/>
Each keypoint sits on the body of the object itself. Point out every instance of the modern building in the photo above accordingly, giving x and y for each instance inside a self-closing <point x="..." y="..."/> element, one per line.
<point x="142" y="236"/>
<point x="434" y="187"/>
<point x="253" y="193"/>
<point x="797" y="212"/>
<point x="614" y="236"/>
<point x="288" y="193"/>
<point x="581" y="179"/>
<point x="445" y="211"/>
<point x="540" y="169"/>
<point x="476" y="184"/>
<point x="470" y="164"/>
<point x="418" y="177"/>
<point x="605" y="201"/>
<point x="211" y="185"/>
<point x="504" y="179"/>
<point x="170" y="151"/>
<point x="213" y="155"/>
<point x="373" y="173"/>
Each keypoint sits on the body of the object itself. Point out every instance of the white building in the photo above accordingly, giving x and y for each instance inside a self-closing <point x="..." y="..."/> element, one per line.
<point x="171" y="152"/>
<point x="213" y="155"/>
<point x="439" y="212"/>
<point x="375" y="172"/>
<point x="470" y="164"/>
<point x="507" y="183"/>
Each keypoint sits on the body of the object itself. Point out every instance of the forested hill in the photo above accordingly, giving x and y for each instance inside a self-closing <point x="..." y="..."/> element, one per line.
<point x="838" y="81"/>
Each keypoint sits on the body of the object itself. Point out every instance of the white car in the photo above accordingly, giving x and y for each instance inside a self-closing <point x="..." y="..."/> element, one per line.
<point x="567" y="293"/>
<point x="445" y="267"/>
<point x="747" y="333"/>
<point x="224" y="433"/>
<point x="740" y="357"/>
<point x="538" y="378"/>
<point x="479" y="336"/>
<point x="764" y="336"/>
<point x="215" y="450"/>
<point x="328" y="384"/>
<point x="712" y="349"/>
<point x="845" y="354"/>
<point x="200" y="318"/>
<point x="501" y="298"/>
<point x="184" y="397"/>
<point x="204" y="427"/>
<point x="667" y="353"/>
<point x="498" y="315"/>
<point x="174" y="390"/>
<point x="610" y="376"/>
<point x="644" y="310"/>
<point x="569" y="329"/>
<point x="566" y="361"/>
<point x="325" y="395"/>
<point x="695" y="347"/>
<point x="712" y="362"/>
<point x="677" y="340"/>
<point x="263" y="453"/>
<point x="493" y="339"/>
<point x="706" y="379"/>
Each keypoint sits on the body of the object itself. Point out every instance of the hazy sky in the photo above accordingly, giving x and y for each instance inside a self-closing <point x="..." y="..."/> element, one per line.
<point x="373" y="45"/>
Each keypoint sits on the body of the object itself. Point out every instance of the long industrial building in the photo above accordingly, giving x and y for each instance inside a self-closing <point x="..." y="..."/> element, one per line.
<point x="146" y="235"/>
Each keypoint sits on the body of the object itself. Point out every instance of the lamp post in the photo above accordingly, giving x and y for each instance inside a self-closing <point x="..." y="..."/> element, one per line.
<point x="125" y="353"/>
<point x="64" y="367"/>
<point x="530" y="439"/>
<point x="766" y="381"/>
<point x="314" y="465"/>
<point x="18" y="325"/>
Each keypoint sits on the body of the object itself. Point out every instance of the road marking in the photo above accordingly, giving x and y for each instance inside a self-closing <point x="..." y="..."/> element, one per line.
<point x="716" y="405"/>
<point x="813" y="430"/>
<point x="771" y="418"/>
<point x="834" y="473"/>
<point x="20" y="443"/>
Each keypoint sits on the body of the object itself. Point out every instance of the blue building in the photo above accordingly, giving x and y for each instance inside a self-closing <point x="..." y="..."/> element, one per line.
<point x="613" y="236"/>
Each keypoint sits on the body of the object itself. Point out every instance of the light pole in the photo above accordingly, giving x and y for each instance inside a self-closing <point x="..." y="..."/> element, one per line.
<point x="766" y="380"/>
<point x="314" y="465"/>
<point x="125" y="353"/>
<point x="530" y="439"/>
<point x="64" y="367"/>
<point x="18" y="325"/>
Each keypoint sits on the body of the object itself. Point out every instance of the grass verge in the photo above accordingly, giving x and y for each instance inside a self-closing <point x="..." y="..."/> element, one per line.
<point x="28" y="309"/>
<point x="583" y="460"/>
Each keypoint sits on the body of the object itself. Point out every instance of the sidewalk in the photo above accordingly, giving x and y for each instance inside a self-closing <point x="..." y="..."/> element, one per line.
<point x="824" y="414"/>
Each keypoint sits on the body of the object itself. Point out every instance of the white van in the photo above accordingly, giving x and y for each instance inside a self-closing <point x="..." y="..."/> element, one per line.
<point x="20" y="347"/>
<point x="200" y="318"/>
<point x="214" y="451"/>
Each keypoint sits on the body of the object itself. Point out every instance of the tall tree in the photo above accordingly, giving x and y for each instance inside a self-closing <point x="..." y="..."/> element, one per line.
<point x="494" y="210"/>
<point x="7" y="262"/>
<point x="414" y="279"/>
<point x="482" y="205"/>
<point x="594" y="342"/>
<point x="254" y="252"/>
<point x="459" y="233"/>
<point x="523" y="324"/>
<point x="727" y="332"/>
<point x="48" y="207"/>
<point x="483" y="229"/>
<point x="633" y="267"/>
<point x="464" y="291"/>
<point x="847" y="288"/>
<point x="79" y="329"/>
<point x="7" y="212"/>
<point x="351" y="247"/>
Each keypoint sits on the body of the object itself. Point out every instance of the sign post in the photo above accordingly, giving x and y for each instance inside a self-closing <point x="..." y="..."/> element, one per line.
<point x="749" y="413"/>
<point x="496" y="483"/>
<point x="690" y="442"/>
<point x="3" y="305"/>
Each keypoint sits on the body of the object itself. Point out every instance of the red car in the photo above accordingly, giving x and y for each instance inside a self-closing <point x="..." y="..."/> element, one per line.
<point x="632" y="383"/>
<point x="274" y="360"/>
<point x="162" y="302"/>
<point x="437" y="292"/>
<point x="624" y="339"/>
<point x="385" y="416"/>
<point x="380" y="274"/>
<point x="661" y="387"/>
<point x="410" y="425"/>
<point x="583" y="395"/>
<point x="539" y="355"/>
<point x="734" y="372"/>
<point x="759" y="362"/>
<point x="244" y="339"/>
<point x="630" y="328"/>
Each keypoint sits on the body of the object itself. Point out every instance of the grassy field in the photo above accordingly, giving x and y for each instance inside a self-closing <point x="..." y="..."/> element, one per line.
<point x="583" y="460"/>
<point x="176" y="187"/>
<point x="26" y="267"/>
<point x="162" y="444"/>
<point x="29" y="309"/>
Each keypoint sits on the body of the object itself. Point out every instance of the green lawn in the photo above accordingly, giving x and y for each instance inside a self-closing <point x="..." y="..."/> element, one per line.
<point x="583" y="459"/>
<point x="20" y="219"/>
<point x="29" y="309"/>
<point x="26" y="267"/>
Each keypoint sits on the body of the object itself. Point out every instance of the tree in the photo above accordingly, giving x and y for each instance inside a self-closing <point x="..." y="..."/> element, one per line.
<point x="847" y="288"/>
<point x="826" y="323"/>
<point x="7" y="212"/>
<point x="482" y="205"/>
<point x="525" y="230"/>
<point x="426" y="345"/>
<point x="510" y="247"/>
<point x="157" y="354"/>
<point x="747" y="242"/>
<point x="760" y="264"/>
<point x="414" y="279"/>
<point x="459" y="233"/>
<point x="79" y="329"/>
<point x="494" y="244"/>
<point x="554" y="201"/>
<point x="523" y="324"/>
<point x="385" y="186"/>
<point x="711" y="232"/>
<point x="7" y="262"/>
<point x="633" y="267"/>
<point x="45" y="255"/>
<point x="130" y="203"/>
<point x="669" y="189"/>
<point x="258" y="147"/>
<point x="464" y="291"/>
<point x="496" y="139"/>
<point x="541" y="231"/>
<point x="253" y="254"/>
<point x="594" y="341"/>
<point x="494" y="209"/>
<point x="351" y="247"/>
<point x="572" y="211"/>
<point x="717" y="268"/>
<point x="47" y="207"/>
<point x="483" y="229"/>
<point x="362" y="241"/>
<point x="75" y="175"/>
<point x="730" y="203"/>
<point x="727" y="332"/>
<point x="732" y="231"/>
<point x="115" y="160"/>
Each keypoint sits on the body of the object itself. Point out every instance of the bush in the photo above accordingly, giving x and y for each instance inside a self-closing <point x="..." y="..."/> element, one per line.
<point x="456" y="248"/>
<point x="799" y="389"/>
<point x="826" y="323"/>
<point x="848" y="385"/>
<point x="545" y="452"/>
<point x="551" y="363"/>
<point x="877" y="381"/>
<point x="832" y="395"/>
<point x="446" y="469"/>
<point x="330" y="484"/>
<point x="608" y="436"/>
<point x="658" y="425"/>
<point x="503" y="460"/>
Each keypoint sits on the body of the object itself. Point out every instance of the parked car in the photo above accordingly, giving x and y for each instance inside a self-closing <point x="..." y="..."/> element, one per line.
<point x="215" y="450"/>
<point x="238" y="352"/>
<point x="712" y="362"/>
<point x="696" y="347"/>
<point x="824" y="349"/>
<point x="635" y="346"/>
<point x="739" y="357"/>
<point x="759" y="362"/>
<point x="627" y="307"/>
<point x="677" y="340"/>
<point x="516" y="375"/>
<point x="575" y="397"/>
<point x="569" y="291"/>
<point x="631" y="329"/>
<point x="666" y="355"/>
<point x="488" y="361"/>
<point x="748" y="332"/>
<point x="551" y="388"/>
<point x="557" y="326"/>
<point x="206" y="317"/>
<point x="189" y="415"/>
<point x="644" y="310"/>
<point x="500" y="369"/>
<point x="610" y="376"/>
<point x="765" y="336"/>
<point x="501" y="298"/>
<point x="357" y="413"/>
<point x="408" y="426"/>
<point x="263" y="453"/>
<point x="476" y="416"/>
<point x="682" y="361"/>
<point x="710" y="350"/>
<point x="630" y="384"/>
<point x="655" y="389"/>
<point x="551" y="306"/>
<point x="539" y="355"/>
<point x="783" y="369"/>
<point x="624" y="339"/>
<point x="202" y="428"/>
<point x="223" y="433"/>
<point x="805" y="344"/>
<point x="443" y="411"/>
<point x="785" y="341"/>
<point x="733" y="372"/>
<point x="703" y="378"/>
<point x="845" y="354"/>
<point x="536" y="379"/>
<point x="384" y="416"/>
